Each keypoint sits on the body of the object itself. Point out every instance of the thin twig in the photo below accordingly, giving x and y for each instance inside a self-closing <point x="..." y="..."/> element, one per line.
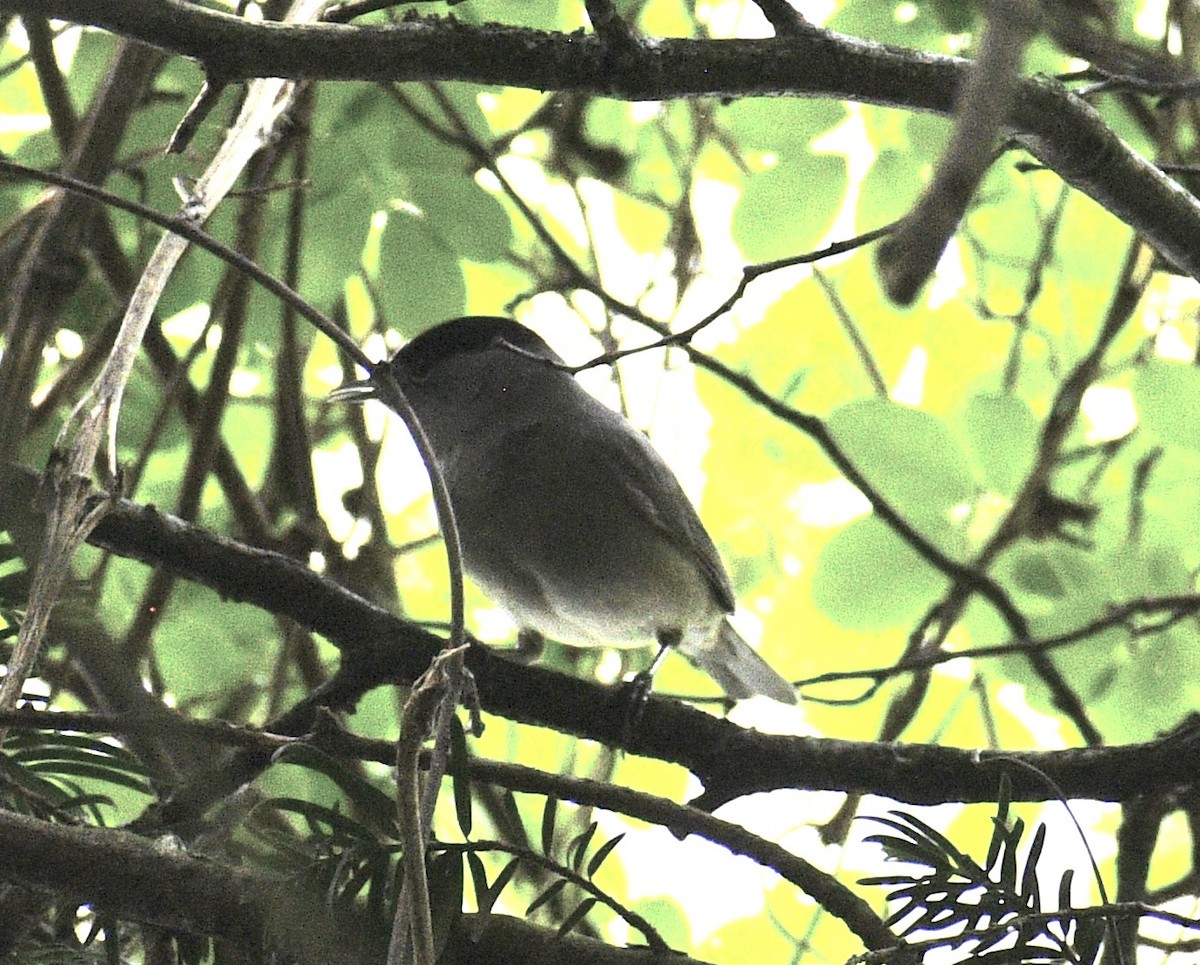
<point x="435" y="695"/>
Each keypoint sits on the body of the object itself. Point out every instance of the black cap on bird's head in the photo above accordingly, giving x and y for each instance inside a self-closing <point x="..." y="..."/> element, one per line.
<point x="462" y="336"/>
<point x="457" y="337"/>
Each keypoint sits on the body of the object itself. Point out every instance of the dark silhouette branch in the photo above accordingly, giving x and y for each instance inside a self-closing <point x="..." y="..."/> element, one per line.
<point x="1060" y="130"/>
<point x="379" y="650"/>
<point x="907" y="259"/>
<point x="137" y="880"/>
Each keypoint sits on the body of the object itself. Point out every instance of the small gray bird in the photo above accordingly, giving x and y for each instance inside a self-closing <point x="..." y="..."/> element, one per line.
<point x="568" y="517"/>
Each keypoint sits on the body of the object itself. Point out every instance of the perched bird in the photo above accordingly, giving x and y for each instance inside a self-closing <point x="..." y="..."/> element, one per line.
<point x="567" y="516"/>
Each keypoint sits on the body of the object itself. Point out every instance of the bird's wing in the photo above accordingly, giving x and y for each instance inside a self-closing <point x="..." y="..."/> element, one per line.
<point x="655" y="492"/>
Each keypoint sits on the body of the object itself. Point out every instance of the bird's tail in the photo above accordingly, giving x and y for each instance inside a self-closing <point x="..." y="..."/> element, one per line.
<point x="740" y="671"/>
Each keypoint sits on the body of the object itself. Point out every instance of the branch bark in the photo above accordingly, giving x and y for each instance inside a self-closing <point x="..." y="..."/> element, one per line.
<point x="729" y="760"/>
<point x="137" y="880"/>
<point x="1060" y="130"/>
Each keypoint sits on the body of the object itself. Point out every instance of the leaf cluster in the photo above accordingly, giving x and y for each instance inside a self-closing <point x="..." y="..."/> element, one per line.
<point x="350" y="852"/>
<point x="58" y="776"/>
<point x="994" y="907"/>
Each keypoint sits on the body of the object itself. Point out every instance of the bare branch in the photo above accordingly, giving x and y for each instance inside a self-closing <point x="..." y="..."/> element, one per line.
<point x="378" y="649"/>
<point x="908" y="258"/>
<point x="1059" y="129"/>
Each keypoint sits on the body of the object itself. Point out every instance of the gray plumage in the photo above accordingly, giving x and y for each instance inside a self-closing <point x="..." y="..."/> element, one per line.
<point x="568" y="517"/>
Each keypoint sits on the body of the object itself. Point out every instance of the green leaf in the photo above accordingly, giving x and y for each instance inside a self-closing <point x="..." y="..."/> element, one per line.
<point x="546" y="896"/>
<point x="375" y="807"/>
<point x="868" y="579"/>
<point x="322" y="819"/>
<point x="479" y="882"/>
<point x="420" y="279"/>
<point x="576" y="916"/>
<point x="957" y="16"/>
<point x="24" y="778"/>
<point x="354" y="872"/>
<point x="938" y="843"/>
<point x="549" y="816"/>
<point x="766" y="229"/>
<point x="31" y="746"/>
<point x="918" y="27"/>
<point x="906" y="146"/>
<point x="1003" y="436"/>
<point x="605" y="850"/>
<point x="471" y="222"/>
<point x="96" y="771"/>
<point x="1064" y="888"/>
<point x="1168" y="401"/>
<point x="460" y="776"/>
<point x="445" y="875"/>
<point x="577" y="849"/>
<point x="1008" y="857"/>
<point x="910" y="457"/>
<point x="999" y="822"/>
<point x="1029" y="880"/>
<point x="502" y="880"/>
<point x="789" y="200"/>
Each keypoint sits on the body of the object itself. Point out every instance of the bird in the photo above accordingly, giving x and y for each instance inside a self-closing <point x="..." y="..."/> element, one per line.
<point x="568" y="518"/>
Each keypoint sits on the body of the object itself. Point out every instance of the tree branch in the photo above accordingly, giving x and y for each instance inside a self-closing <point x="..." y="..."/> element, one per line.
<point x="137" y="880"/>
<point x="1060" y="130"/>
<point x="730" y="761"/>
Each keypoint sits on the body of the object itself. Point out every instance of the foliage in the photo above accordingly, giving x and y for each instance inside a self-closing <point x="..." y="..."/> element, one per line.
<point x="967" y="523"/>
<point x="984" y="906"/>
<point x="47" y="773"/>
<point x="352" y="858"/>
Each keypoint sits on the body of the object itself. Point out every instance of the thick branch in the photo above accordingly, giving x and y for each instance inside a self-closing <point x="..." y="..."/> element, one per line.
<point x="730" y="761"/>
<point x="1062" y="131"/>
<point x="137" y="880"/>
<point x="422" y="49"/>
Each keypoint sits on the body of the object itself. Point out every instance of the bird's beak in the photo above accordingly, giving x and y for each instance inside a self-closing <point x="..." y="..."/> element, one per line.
<point x="354" y="392"/>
